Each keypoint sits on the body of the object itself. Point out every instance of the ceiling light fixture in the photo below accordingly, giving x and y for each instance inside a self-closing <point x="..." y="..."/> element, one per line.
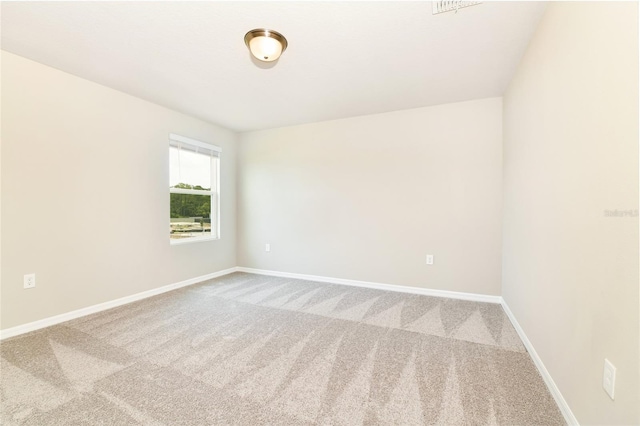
<point x="265" y="45"/>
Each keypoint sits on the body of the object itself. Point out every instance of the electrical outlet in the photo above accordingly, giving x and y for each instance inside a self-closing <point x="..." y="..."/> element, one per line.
<point x="429" y="259"/>
<point x="30" y="281"/>
<point x="267" y="247"/>
<point x="609" y="378"/>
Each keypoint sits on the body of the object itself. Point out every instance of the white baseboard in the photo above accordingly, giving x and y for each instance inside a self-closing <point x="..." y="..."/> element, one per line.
<point x="379" y="286"/>
<point x="553" y="389"/>
<point x="57" y="319"/>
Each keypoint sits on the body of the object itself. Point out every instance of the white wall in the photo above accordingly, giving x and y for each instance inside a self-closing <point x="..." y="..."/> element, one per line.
<point x="570" y="274"/>
<point x="367" y="198"/>
<point x="85" y="200"/>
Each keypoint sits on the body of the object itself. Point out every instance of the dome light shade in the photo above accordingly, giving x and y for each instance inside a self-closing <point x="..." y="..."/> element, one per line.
<point x="265" y="45"/>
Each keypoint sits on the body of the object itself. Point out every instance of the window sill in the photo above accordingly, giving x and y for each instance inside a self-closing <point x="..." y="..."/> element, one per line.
<point x="192" y="240"/>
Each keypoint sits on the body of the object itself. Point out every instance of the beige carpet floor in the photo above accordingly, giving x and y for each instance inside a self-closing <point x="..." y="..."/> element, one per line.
<point x="250" y="350"/>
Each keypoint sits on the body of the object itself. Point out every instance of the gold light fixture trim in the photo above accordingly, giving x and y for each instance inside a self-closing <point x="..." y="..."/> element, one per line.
<point x="265" y="45"/>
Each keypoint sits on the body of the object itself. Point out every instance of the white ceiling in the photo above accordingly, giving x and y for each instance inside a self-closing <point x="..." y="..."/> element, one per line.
<point x="344" y="58"/>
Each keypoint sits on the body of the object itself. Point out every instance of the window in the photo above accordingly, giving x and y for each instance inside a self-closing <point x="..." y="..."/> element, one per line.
<point x="194" y="190"/>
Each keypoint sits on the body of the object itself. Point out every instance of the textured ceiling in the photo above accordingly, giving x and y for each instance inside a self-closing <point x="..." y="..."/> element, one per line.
<point x="344" y="58"/>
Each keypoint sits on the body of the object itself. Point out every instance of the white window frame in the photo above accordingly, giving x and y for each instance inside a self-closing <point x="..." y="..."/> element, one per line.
<point x="214" y="193"/>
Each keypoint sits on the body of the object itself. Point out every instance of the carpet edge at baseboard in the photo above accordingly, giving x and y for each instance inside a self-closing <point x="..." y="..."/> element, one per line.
<point x="60" y="318"/>
<point x="569" y="417"/>
<point x="475" y="297"/>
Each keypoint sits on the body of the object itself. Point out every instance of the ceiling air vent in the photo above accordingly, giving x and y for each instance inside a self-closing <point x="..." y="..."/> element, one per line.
<point x="442" y="6"/>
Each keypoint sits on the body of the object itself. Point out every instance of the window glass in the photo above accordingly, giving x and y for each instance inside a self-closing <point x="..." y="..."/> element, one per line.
<point x="193" y="190"/>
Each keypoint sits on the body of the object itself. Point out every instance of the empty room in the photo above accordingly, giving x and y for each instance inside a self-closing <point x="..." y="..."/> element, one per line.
<point x="319" y="213"/>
